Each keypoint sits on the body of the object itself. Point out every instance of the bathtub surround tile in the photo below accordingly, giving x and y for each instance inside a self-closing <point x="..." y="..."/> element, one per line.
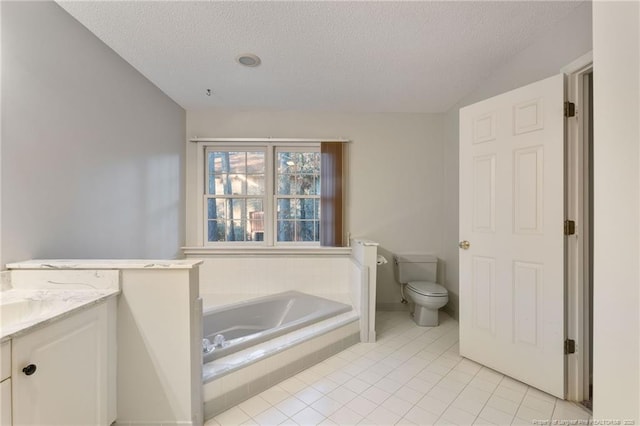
<point x="233" y="416"/>
<point x="309" y="376"/>
<point x="274" y="395"/>
<point x="442" y="388"/>
<point x="293" y="385"/>
<point x="254" y="406"/>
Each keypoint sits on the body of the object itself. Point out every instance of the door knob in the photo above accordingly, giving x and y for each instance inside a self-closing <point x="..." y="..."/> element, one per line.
<point x="464" y="245"/>
<point x="29" y="369"/>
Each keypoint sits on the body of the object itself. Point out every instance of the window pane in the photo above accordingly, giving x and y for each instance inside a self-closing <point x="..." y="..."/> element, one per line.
<point x="305" y="185"/>
<point x="288" y="208"/>
<point x="298" y="230"/>
<point x="255" y="184"/>
<point x="307" y="209"/>
<point x="215" y="209"/>
<point x="215" y="230"/>
<point x="237" y="162"/>
<point x="286" y="162"/>
<point x="236" y="173"/>
<point x="256" y="226"/>
<point x="235" y="219"/>
<point x="286" y="230"/>
<point x="306" y="230"/>
<point x="298" y="173"/>
<point x="286" y="184"/>
<point x="255" y="163"/>
<point x="236" y="230"/>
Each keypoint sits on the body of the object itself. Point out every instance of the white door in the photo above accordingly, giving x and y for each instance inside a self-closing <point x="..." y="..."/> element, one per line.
<point x="512" y="285"/>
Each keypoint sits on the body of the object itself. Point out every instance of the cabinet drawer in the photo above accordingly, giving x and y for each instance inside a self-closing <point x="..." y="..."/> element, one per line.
<point x="5" y="360"/>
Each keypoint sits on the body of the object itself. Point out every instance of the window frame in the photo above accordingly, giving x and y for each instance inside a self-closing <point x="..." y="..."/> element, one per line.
<point x="206" y="195"/>
<point x="269" y="197"/>
<point x="300" y="148"/>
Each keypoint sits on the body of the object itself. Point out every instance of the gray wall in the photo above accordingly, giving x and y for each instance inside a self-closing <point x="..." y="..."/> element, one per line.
<point x="554" y="49"/>
<point x="92" y="152"/>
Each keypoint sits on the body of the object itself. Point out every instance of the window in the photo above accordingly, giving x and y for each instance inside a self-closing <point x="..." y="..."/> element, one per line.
<point x="297" y="195"/>
<point x="235" y="197"/>
<point x="263" y="195"/>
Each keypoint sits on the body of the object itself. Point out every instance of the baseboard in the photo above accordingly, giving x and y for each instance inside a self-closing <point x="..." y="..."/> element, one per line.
<point x="392" y="306"/>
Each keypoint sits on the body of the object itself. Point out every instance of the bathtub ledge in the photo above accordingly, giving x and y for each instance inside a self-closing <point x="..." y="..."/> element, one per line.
<point x="266" y="251"/>
<point x="218" y="368"/>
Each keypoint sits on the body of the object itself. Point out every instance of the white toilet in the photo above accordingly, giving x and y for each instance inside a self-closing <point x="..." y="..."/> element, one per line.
<point x="418" y="272"/>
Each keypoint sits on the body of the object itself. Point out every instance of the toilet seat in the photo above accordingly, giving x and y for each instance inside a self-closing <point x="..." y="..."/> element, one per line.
<point x="427" y="288"/>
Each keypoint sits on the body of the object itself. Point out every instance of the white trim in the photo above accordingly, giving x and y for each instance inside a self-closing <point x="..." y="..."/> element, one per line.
<point x="584" y="61"/>
<point x="267" y="251"/>
<point x="577" y="248"/>
<point x="268" y="140"/>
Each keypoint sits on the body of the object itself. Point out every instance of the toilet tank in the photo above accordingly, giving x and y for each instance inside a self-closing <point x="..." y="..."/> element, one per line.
<point x="415" y="267"/>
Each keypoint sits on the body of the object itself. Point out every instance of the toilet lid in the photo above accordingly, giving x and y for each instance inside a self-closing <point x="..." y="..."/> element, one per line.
<point x="427" y="288"/>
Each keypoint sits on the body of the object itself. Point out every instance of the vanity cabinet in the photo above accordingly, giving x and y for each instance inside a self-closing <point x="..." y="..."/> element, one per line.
<point x="5" y="383"/>
<point x="60" y="372"/>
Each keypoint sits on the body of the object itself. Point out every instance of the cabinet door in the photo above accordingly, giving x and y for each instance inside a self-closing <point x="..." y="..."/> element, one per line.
<point x="68" y="386"/>
<point x="5" y="403"/>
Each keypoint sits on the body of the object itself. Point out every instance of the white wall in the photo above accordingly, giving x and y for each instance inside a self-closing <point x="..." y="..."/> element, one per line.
<point x="555" y="48"/>
<point x="92" y="152"/>
<point x="228" y="279"/>
<point x="395" y="176"/>
<point x="616" y="56"/>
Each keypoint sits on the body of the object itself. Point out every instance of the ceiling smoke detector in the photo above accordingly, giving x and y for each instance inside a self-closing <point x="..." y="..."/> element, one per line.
<point x="248" y="60"/>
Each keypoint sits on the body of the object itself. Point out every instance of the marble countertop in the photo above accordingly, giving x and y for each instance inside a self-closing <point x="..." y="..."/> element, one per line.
<point x="23" y="310"/>
<point x="105" y="264"/>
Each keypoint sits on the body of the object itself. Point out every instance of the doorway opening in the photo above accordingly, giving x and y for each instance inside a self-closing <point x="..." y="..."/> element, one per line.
<point x="580" y="245"/>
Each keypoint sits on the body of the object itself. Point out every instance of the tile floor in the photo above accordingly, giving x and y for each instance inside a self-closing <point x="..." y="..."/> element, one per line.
<point x="410" y="376"/>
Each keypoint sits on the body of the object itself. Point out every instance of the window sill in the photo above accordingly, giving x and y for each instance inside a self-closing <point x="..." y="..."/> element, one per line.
<point x="266" y="251"/>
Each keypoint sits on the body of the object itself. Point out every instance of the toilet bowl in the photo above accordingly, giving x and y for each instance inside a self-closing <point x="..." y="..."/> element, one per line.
<point x="428" y="298"/>
<point x="419" y="272"/>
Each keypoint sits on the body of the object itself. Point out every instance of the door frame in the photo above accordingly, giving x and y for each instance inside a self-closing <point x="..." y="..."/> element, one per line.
<point x="577" y="246"/>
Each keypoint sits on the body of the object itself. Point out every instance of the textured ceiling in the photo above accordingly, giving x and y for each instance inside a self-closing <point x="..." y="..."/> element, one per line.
<point x="340" y="56"/>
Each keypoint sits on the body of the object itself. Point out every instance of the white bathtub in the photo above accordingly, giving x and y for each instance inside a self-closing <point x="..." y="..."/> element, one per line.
<point x="254" y="321"/>
<point x="270" y="339"/>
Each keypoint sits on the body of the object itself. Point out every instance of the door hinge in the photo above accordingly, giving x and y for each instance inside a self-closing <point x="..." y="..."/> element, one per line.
<point x="569" y="109"/>
<point x="569" y="227"/>
<point x="569" y="346"/>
